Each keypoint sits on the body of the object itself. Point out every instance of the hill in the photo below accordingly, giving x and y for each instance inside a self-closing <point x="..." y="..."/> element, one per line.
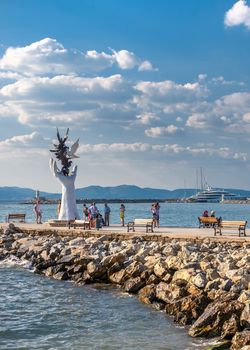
<point x="99" y="192"/>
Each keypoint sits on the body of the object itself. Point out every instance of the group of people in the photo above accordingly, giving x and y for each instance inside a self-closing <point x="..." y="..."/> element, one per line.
<point x="96" y="219"/>
<point x="93" y="215"/>
<point x="206" y="214"/>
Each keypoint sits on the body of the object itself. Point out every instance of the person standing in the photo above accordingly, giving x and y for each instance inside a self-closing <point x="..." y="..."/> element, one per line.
<point x="122" y="214"/>
<point x="85" y="212"/>
<point x="106" y="214"/>
<point x="154" y="214"/>
<point x="93" y="210"/>
<point x="38" y="212"/>
<point x="157" y="208"/>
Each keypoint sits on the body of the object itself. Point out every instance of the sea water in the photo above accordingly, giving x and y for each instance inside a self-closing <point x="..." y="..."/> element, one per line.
<point x="41" y="313"/>
<point x="171" y="214"/>
<point x="37" y="312"/>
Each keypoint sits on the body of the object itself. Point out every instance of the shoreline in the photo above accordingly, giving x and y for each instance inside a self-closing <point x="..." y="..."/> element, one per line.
<point x="203" y="283"/>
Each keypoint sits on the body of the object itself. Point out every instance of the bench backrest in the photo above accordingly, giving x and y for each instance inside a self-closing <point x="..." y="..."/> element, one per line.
<point x="207" y="220"/>
<point x="143" y="221"/>
<point x="16" y="216"/>
<point x="227" y="223"/>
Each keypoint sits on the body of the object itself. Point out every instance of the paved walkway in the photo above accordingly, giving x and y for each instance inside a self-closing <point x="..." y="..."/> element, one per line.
<point x="164" y="232"/>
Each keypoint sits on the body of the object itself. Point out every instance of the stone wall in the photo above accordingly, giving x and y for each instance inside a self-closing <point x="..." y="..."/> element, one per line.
<point x="203" y="284"/>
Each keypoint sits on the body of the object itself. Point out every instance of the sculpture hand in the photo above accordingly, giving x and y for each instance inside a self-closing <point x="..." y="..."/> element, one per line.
<point x="65" y="180"/>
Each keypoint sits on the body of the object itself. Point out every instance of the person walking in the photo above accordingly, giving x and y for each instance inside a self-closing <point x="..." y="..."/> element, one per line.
<point x="122" y="214"/>
<point x="106" y="214"/>
<point x="38" y="212"/>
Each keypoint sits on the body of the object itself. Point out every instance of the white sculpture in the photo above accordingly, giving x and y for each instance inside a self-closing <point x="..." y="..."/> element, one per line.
<point x="68" y="209"/>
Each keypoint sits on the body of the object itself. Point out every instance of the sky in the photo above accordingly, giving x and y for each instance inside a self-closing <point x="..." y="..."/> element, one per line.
<point x="154" y="89"/>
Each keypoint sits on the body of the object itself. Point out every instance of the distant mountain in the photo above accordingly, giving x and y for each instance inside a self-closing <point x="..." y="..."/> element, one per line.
<point x="98" y="192"/>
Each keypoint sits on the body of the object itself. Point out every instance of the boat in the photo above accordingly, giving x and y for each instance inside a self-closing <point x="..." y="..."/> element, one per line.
<point x="212" y="195"/>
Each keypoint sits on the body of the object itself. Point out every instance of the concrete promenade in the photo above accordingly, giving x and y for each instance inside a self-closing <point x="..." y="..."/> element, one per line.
<point x="116" y="231"/>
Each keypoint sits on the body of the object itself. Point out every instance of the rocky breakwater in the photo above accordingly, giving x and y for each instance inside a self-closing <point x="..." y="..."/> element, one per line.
<point x="204" y="284"/>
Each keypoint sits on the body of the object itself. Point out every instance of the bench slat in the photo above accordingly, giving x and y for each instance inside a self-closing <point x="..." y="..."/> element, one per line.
<point x="148" y="223"/>
<point x="231" y="225"/>
<point x="12" y="216"/>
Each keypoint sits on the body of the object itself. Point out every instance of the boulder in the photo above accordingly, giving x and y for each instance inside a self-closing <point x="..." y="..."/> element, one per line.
<point x="186" y="310"/>
<point x="169" y="292"/>
<point x="147" y="294"/>
<point x="245" y="316"/>
<point x="183" y="274"/>
<point x="61" y="275"/>
<point x="240" y="340"/>
<point x="210" y="323"/>
<point x="117" y="277"/>
<point x="230" y="327"/>
<point x="132" y="285"/>
<point x="199" y="280"/>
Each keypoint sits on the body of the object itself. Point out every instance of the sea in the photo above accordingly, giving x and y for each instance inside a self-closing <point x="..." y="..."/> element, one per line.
<point x="37" y="312"/>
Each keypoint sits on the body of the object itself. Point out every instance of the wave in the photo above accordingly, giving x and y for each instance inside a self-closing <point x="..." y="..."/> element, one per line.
<point x="13" y="261"/>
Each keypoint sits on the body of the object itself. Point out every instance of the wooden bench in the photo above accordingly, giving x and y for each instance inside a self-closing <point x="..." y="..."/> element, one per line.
<point x="207" y="221"/>
<point x="240" y="225"/>
<point x="148" y="223"/>
<point x="80" y="223"/>
<point x="15" y="216"/>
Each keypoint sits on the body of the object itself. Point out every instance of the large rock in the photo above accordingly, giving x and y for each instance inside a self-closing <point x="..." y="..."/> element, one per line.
<point x="245" y="316"/>
<point x="199" y="280"/>
<point x="240" y="340"/>
<point x="132" y="285"/>
<point x="169" y="292"/>
<point x="210" y="323"/>
<point x="147" y="294"/>
<point x="183" y="274"/>
<point x="186" y="310"/>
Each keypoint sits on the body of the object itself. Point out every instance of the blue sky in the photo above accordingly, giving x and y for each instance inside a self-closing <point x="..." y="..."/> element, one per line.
<point x="153" y="89"/>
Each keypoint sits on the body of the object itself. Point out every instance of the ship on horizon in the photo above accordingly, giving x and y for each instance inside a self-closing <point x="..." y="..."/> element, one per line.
<point x="214" y="195"/>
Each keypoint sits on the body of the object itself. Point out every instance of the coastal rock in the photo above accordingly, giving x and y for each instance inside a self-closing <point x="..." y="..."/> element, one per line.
<point x="61" y="275"/>
<point x="210" y="323"/>
<point x="240" y="340"/>
<point x="132" y="285"/>
<point x="117" y="277"/>
<point x="245" y="316"/>
<point x="199" y="280"/>
<point x="96" y="271"/>
<point x="160" y="269"/>
<point x="186" y="310"/>
<point x="230" y="327"/>
<point x="183" y="274"/>
<point x="147" y="294"/>
<point x="169" y="292"/>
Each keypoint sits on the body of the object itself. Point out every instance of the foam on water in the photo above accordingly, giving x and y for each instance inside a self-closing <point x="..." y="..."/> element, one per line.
<point x="13" y="261"/>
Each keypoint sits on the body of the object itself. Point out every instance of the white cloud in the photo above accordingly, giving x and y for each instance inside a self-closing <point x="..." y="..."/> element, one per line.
<point x="147" y="118"/>
<point x="41" y="100"/>
<point x="28" y="140"/>
<point x="170" y="149"/>
<point x="48" y="56"/>
<point x="239" y="14"/>
<point x="162" y="130"/>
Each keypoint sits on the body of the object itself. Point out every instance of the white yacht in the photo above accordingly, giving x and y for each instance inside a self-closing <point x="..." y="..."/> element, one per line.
<point x="211" y="195"/>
